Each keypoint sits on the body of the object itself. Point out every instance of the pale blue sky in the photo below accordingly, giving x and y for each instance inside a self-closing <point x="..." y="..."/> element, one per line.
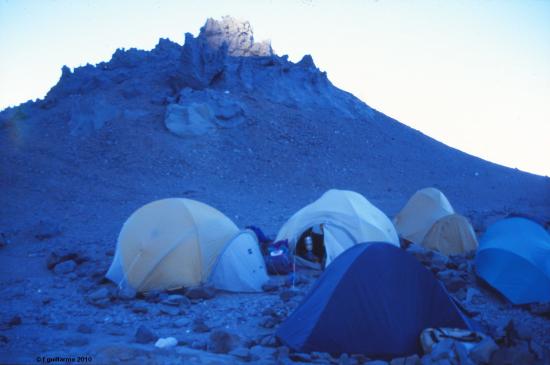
<point x="474" y="74"/>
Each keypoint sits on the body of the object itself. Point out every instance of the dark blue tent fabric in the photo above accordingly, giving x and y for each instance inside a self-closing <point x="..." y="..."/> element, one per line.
<point x="374" y="299"/>
<point x="514" y="258"/>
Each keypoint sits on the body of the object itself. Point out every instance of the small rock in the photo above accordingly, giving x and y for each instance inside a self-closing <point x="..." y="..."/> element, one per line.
<point x="300" y="357"/>
<point x="540" y="309"/>
<point x="144" y="335"/>
<point x="201" y="292"/>
<point x="410" y="360"/>
<point x="286" y="295"/>
<point x="181" y="322"/>
<point x="269" y="312"/>
<point x="198" y="345"/>
<point x="57" y="257"/>
<point x="482" y="352"/>
<point x="200" y="326"/>
<point x="376" y="362"/>
<point x="542" y="353"/>
<point x="166" y="342"/>
<point x="269" y="341"/>
<point x="453" y="282"/>
<point x="126" y="293"/>
<point x="241" y="353"/>
<point x="513" y="355"/>
<point x="76" y="341"/>
<point x="270" y="287"/>
<point x="176" y="300"/>
<point x="461" y="353"/>
<point x="260" y="352"/>
<point x="151" y="297"/>
<point x="442" y="350"/>
<point x="268" y="322"/>
<point x="4" y="339"/>
<point x="221" y="341"/>
<point x="84" y="328"/>
<point x="116" y="331"/>
<point x="140" y="308"/>
<point x="359" y="358"/>
<point x="58" y="325"/>
<point x="344" y="359"/>
<point x="283" y="352"/>
<point x="15" y="321"/>
<point x="65" y="267"/>
<point x="171" y="311"/>
<point x="99" y="294"/>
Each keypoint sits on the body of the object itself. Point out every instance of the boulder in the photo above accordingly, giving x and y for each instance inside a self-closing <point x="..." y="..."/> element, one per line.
<point x="190" y="120"/>
<point x="222" y="342"/>
<point x="236" y="35"/>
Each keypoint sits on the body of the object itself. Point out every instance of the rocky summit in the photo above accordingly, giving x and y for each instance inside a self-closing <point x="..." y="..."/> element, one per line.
<point x="224" y="120"/>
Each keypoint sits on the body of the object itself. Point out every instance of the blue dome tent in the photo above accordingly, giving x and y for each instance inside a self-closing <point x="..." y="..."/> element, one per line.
<point x="514" y="258"/>
<point x="374" y="299"/>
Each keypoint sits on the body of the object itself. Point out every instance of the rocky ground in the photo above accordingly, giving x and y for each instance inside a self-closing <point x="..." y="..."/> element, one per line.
<point x="272" y="136"/>
<point x="66" y="308"/>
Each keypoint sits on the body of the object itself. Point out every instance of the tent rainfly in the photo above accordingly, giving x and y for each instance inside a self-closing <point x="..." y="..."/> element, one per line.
<point x="375" y="300"/>
<point x="422" y="210"/>
<point x="514" y="258"/>
<point x="347" y="218"/>
<point x="451" y="235"/>
<point x="175" y="242"/>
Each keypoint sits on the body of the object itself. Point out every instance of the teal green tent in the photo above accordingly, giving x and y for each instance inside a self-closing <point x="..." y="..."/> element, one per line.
<point x="514" y="258"/>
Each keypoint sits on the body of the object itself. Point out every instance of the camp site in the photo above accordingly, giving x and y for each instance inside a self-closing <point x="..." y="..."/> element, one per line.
<point x="211" y="197"/>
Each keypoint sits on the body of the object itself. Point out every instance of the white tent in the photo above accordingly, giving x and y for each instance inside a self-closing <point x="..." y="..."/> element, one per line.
<point x="240" y="266"/>
<point x="347" y="218"/>
<point x="422" y="210"/>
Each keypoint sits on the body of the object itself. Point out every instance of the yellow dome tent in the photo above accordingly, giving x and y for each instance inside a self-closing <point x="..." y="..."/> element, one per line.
<point x="170" y="243"/>
<point x="422" y="210"/>
<point x="347" y="218"/>
<point x="451" y="235"/>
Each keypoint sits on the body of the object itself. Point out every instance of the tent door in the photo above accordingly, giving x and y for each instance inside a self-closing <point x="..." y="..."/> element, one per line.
<point x="337" y="240"/>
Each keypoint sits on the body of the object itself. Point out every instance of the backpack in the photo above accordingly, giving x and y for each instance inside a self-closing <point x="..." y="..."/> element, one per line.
<point x="277" y="258"/>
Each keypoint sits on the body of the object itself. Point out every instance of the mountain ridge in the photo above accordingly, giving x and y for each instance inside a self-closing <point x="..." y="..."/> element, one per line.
<point x="180" y="119"/>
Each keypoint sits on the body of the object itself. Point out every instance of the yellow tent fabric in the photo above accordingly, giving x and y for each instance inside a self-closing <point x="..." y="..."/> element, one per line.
<point x="347" y="218"/>
<point x="422" y="210"/>
<point x="170" y="243"/>
<point x="451" y="235"/>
